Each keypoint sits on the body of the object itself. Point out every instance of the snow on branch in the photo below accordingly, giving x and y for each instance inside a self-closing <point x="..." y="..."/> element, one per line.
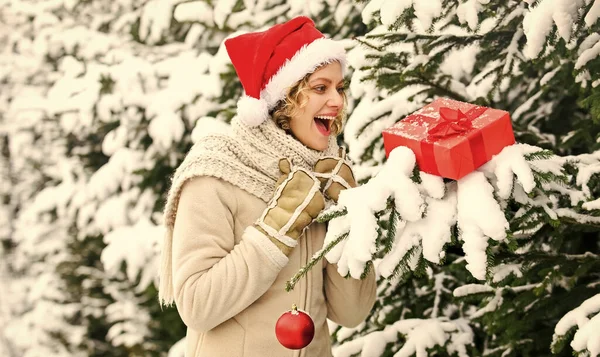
<point x="586" y="320"/>
<point x="363" y="202"/>
<point x="422" y="210"/>
<point x="420" y="335"/>
<point x="470" y="204"/>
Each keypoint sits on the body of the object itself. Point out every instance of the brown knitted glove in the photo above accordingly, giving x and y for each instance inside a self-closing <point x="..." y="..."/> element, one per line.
<point x="295" y="204"/>
<point x="335" y="175"/>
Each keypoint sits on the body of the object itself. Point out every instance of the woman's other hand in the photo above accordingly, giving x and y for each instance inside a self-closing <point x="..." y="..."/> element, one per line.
<point x="335" y="175"/>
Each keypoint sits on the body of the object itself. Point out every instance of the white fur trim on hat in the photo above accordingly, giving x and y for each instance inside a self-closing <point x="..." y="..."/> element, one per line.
<point x="253" y="112"/>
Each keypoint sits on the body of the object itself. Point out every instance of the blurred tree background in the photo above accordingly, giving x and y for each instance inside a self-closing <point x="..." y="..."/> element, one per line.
<point x="101" y="100"/>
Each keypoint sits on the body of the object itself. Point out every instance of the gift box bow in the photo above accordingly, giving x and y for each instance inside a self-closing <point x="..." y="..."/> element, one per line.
<point x="453" y="122"/>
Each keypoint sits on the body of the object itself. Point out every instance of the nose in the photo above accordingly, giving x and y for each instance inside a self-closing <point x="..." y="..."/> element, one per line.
<point x="335" y="99"/>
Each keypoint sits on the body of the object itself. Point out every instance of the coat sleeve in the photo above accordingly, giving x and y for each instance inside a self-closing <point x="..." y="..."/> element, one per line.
<point x="349" y="300"/>
<point x="213" y="278"/>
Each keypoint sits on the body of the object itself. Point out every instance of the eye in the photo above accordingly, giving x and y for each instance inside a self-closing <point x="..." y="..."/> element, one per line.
<point x="320" y="88"/>
<point x="341" y="90"/>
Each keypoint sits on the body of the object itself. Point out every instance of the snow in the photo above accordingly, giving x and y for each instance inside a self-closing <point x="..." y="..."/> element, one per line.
<point x="432" y="185"/>
<point x="510" y="162"/>
<point x="426" y="11"/>
<point x="588" y="42"/>
<point x="420" y="335"/>
<point x="483" y="82"/>
<point x="575" y="196"/>
<point x="586" y="335"/>
<point x="502" y="271"/>
<point x="584" y="175"/>
<point x="592" y="16"/>
<point x="460" y="63"/>
<point x="129" y="322"/>
<point x="548" y="76"/>
<point x="136" y="246"/>
<point x="488" y="25"/>
<point x="207" y="126"/>
<point x="199" y="11"/>
<point x="222" y="10"/>
<point x="588" y="55"/>
<point x="467" y="12"/>
<point x="539" y="20"/>
<point x="155" y="19"/>
<point x="362" y="202"/>
<point x="515" y="115"/>
<point x="472" y="289"/>
<point x="371" y="7"/>
<point x="403" y="242"/>
<point x="479" y="218"/>
<point x="591" y="205"/>
<point x="342" y="11"/>
<point x="434" y="228"/>
<point x="439" y="289"/>
<point x="429" y="210"/>
<point x="166" y="129"/>
<point x="391" y="10"/>
<point x="108" y="178"/>
<point x="581" y="218"/>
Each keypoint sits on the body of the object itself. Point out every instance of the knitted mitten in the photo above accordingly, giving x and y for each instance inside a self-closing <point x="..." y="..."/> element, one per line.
<point x="335" y="175"/>
<point x="295" y="204"/>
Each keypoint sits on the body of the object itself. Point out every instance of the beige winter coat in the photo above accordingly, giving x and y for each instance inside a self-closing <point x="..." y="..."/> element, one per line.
<point x="229" y="279"/>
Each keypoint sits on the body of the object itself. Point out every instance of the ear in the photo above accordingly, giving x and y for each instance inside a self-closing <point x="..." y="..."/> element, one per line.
<point x="285" y="166"/>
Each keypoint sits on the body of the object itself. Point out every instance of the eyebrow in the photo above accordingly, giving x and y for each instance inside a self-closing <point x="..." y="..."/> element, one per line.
<point x="325" y="79"/>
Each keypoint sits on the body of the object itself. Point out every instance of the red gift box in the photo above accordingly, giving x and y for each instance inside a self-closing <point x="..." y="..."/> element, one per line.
<point x="451" y="138"/>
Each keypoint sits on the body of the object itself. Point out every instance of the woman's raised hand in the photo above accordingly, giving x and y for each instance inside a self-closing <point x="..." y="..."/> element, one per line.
<point x="297" y="201"/>
<point x="335" y="175"/>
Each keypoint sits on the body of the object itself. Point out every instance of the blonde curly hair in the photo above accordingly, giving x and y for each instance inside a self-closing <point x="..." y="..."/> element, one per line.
<point x="295" y="100"/>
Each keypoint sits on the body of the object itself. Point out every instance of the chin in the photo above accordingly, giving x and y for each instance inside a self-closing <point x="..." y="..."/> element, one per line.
<point x="319" y="146"/>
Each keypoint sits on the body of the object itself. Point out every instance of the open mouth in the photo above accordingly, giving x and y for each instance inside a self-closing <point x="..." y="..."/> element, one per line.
<point x="323" y="124"/>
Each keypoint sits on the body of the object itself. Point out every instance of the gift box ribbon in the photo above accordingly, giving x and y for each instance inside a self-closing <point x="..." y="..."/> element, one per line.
<point x="454" y="122"/>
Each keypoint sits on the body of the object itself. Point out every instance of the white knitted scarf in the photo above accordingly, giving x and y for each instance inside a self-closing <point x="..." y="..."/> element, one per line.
<point x="246" y="157"/>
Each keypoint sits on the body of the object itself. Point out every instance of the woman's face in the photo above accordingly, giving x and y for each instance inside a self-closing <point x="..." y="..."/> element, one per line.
<point x="312" y="125"/>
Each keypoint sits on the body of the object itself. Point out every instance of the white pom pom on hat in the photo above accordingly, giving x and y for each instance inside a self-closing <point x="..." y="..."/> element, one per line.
<point x="268" y="63"/>
<point x="254" y="111"/>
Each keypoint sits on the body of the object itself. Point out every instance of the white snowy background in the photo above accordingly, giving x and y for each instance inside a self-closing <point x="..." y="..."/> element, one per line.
<point x="54" y="60"/>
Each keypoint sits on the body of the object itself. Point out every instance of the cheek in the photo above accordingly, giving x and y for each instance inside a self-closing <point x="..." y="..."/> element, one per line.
<point x="315" y="103"/>
<point x="302" y="119"/>
<point x="301" y="122"/>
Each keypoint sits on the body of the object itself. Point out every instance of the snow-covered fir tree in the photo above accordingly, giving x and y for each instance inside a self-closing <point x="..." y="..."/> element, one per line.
<point x="503" y="262"/>
<point x="33" y="239"/>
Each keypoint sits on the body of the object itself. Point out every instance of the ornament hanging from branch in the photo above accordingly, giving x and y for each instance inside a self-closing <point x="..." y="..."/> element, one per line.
<point x="295" y="329"/>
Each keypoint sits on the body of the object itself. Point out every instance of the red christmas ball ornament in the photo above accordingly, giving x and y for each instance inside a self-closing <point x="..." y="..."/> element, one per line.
<point x="295" y="329"/>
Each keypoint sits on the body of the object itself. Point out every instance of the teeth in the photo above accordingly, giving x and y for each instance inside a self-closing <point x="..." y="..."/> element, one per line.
<point x="325" y="117"/>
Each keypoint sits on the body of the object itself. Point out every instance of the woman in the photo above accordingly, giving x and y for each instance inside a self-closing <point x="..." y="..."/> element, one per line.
<point x="240" y="211"/>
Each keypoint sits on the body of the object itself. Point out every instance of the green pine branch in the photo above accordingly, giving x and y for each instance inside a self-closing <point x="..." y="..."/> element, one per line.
<point x="289" y="285"/>
<point x="539" y="155"/>
<point x="388" y="240"/>
<point x="331" y="214"/>
<point x="403" y="267"/>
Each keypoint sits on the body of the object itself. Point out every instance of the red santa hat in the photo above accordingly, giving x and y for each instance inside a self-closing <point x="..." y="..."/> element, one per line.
<point x="268" y="63"/>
